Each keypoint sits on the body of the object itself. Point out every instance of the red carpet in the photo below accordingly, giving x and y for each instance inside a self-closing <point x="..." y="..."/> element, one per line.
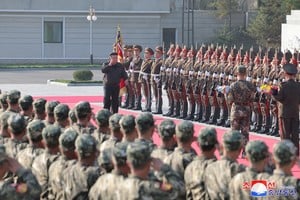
<point x="72" y="100"/>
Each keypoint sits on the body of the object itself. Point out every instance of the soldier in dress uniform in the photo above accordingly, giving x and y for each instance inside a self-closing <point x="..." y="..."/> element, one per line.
<point x="144" y="77"/>
<point x="167" y="75"/>
<point x="190" y="81"/>
<point x="183" y="73"/>
<point x="128" y="56"/>
<point x="135" y="67"/>
<point x="156" y="79"/>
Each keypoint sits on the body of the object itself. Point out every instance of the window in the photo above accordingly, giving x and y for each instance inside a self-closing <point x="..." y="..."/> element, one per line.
<point x="53" y="32"/>
<point x="169" y="36"/>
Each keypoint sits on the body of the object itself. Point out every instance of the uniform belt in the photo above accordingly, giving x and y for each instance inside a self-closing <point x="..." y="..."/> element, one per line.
<point x="155" y="75"/>
<point x="145" y="74"/>
<point x="136" y="71"/>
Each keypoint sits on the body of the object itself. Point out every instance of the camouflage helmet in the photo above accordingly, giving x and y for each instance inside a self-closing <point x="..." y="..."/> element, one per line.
<point x="86" y="145"/>
<point x="284" y="152"/>
<point x="127" y="123"/>
<point x="16" y="123"/>
<point x="232" y="140"/>
<point x="185" y="131"/>
<point x="72" y="115"/>
<point x="26" y="99"/>
<point x="257" y="150"/>
<point x="114" y="122"/>
<point x="13" y="96"/>
<point x="82" y="109"/>
<point x="51" y="135"/>
<point x="105" y="160"/>
<point x="50" y="106"/>
<point x="207" y="137"/>
<point x="167" y="129"/>
<point x="138" y="153"/>
<point x="35" y="129"/>
<point x="102" y="117"/>
<point x="67" y="139"/>
<point x="119" y="154"/>
<point x="3" y="119"/>
<point x="39" y="105"/>
<point x="3" y="98"/>
<point x="144" y="121"/>
<point x="61" y="112"/>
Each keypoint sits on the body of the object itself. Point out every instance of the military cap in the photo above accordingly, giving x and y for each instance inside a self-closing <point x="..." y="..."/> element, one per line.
<point x="67" y="139"/>
<point x="72" y="115"/>
<point x="290" y="68"/>
<point x="242" y="69"/>
<point x="127" y="123"/>
<point x="114" y="122"/>
<point x="102" y="117"/>
<point x="159" y="49"/>
<point x="232" y="140"/>
<point x="51" y="135"/>
<point x="61" y="111"/>
<point x="83" y="107"/>
<point x="3" y="155"/>
<point x="284" y="152"/>
<point x="105" y="157"/>
<point x="207" y="137"/>
<point x="35" y="129"/>
<point x="119" y="154"/>
<point x="26" y="99"/>
<point x="138" y="153"/>
<point x="257" y="150"/>
<point x="129" y="47"/>
<point x="166" y="129"/>
<point x="85" y="145"/>
<point x="144" y="121"/>
<point x="50" y="106"/>
<point x="149" y="50"/>
<point x="138" y="47"/>
<point x="185" y="130"/>
<point x="3" y="98"/>
<point x="16" y="123"/>
<point x="39" y="105"/>
<point x="13" y="95"/>
<point x="113" y="54"/>
<point x="125" y="47"/>
<point x="3" y="119"/>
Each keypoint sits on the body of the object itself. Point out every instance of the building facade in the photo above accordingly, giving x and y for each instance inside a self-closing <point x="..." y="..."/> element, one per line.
<point x="58" y="30"/>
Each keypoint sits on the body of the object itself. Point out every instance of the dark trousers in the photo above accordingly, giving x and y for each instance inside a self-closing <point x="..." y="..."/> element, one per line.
<point x="111" y="97"/>
<point x="289" y="129"/>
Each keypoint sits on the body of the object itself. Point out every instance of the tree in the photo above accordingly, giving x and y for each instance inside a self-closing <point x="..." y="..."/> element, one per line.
<point x="266" y="28"/>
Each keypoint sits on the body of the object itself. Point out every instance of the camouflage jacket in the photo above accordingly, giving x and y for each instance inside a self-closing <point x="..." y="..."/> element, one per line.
<point x="161" y="153"/>
<point x="13" y="147"/>
<point x="27" y="155"/>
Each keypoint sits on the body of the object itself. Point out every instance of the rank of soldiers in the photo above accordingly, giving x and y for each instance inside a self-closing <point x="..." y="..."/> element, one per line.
<point x="193" y="80"/>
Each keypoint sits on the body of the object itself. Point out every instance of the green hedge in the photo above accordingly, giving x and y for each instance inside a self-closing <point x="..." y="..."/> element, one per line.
<point x="83" y="75"/>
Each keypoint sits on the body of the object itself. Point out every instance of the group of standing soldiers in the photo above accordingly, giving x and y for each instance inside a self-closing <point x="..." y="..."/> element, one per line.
<point x="194" y="82"/>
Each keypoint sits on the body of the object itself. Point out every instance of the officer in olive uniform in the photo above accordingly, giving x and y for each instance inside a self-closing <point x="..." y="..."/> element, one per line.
<point x="198" y="84"/>
<point x="181" y="88"/>
<point x="135" y="67"/>
<point x="144" y="77"/>
<point x="156" y="79"/>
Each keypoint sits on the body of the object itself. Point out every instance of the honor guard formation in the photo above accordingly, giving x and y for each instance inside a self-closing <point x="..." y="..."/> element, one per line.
<point x="50" y="151"/>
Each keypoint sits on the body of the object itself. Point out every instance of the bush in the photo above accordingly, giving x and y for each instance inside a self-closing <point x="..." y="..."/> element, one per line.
<point x="83" y="75"/>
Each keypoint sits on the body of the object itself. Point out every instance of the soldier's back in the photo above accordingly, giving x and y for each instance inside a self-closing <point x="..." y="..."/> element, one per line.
<point x="194" y="178"/>
<point x="27" y="155"/>
<point x="161" y="153"/>
<point x="13" y="147"/>
<point x="108" y="144"/>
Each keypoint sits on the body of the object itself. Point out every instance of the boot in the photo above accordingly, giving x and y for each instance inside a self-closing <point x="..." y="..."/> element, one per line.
<point x="258" y="123"/>
<point x="205" y="114"/>
<point x="191" y="112"/>
<point x="170" y="110"/>
<point x="184" y="107"/>
<point x="227" y="123"/>
<point x="131" y="102"/>
<point x="177" y="109"/>
<point x="138" y="103"/>
<point x="198" y="112"/>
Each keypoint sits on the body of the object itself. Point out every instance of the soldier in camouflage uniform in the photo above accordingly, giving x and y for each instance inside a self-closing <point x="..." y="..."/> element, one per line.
<point x="50" y="106"/>
<point x="156" y="79"/>
<point x="128" y="129"/>
<point x="218" y="175"/>
<point x="285" y="157"/>
<point x="144" y="77"/>
<point x="167" y="75"/>
<point x="166" y="131"/>
<point x="39" y="108"/>
<point x="61" y="116"/>
<point x="81" y="176"/>
<point x="35" y="147"/>
<point x="72" y="117"/>
<point x="145" y="126"/>
<point x="241" y="94"/>
<point x="115" y="133"/>
<point x="18" y="140"/>
<point x="4" y="132"/>
<point x="258" y="154"/>
<point x="141" y="185"/>
<point x="107" y="185"/>
<point x="23" y="186"/>
<point x="184" y="153"/>
<point x="13" y="97"/>
<point x="102" y="132"/>
<point x="41" y="164"/>
<point x="26" y="107"/>
<point x="68" y="158"/>
<point x="135" y="67"/>
<point x="194" y="173"/>
<point x="3" y="102"/>
<point x="83" y="112"/>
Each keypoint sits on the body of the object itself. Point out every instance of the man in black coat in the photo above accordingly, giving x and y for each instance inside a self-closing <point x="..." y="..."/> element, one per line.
<point x="288" y="96"/>
<point x="113" y="72"/>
